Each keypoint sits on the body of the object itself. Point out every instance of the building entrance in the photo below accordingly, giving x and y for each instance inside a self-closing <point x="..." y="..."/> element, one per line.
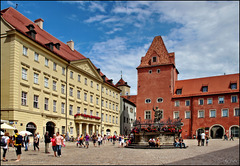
<point x="108" y="131"/>
<point x="31" y="127"/>
<point x="216" y="132"/>
<point x="50" y="126"/>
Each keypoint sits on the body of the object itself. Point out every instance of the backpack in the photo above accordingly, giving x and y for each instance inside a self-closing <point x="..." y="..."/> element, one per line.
<point x="19" y="139"/>
<point x="3" y="141"/>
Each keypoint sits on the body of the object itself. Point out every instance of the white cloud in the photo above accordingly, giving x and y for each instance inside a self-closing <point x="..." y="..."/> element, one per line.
<point x="11" y="3"/>
<point x="95" y="18"/>
<point x="113" y="31"/>
<point x="73" y="17"/>
<point x="94" y="6"/>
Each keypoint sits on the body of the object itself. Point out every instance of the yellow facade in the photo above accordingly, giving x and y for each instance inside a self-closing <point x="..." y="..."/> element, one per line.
<point x="32" y="90"/>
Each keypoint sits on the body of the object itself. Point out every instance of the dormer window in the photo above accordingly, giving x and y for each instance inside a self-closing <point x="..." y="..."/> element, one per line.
<point x="154" y="59"/>
<point x="50" y="45"/>
<point x="179" y="91"/>
<point x="30" y="27"/>
<point x="57" y="45"/>
<point x="32" y="33"/>
<point x="205" y="89"/>
<point x="233" y="85"/>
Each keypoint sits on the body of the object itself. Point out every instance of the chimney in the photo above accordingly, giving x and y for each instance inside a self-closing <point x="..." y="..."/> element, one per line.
<point x="71" y="45"/>
<point x="39" y="22"/>
<point x="103" y="77"/>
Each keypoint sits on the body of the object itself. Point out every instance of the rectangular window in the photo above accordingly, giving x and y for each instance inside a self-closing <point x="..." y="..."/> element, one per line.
<point x="46" y="82"/>
<point x="224" y="112"/>
<point x="109" y="105"/>
<point x="201" y="114"/>
<point x="117" y="96"/>
<point x="177" y="103"/>
<point x="97" y="100"/>
<point x="63" y="129"/>
<point x="110" y="92"/>
<point x="62" y="89"/>
<point x="62" y="108"/>
<point x="113" y="119"/>
<point x="234" y="99"/>
<point x="236" y="112"/>
<point x="63" y="71"/>
<point x="24" y="98"/>
<point x="106" y="104"/>
<point x="46" y="104"/>
<point x="102" y="116"/>
<point x="113" y="106"/>
<point x="78" y="110"/>
<point x="150" y="71"/>
<point x="147" y="114"/>
<point x="187" y="114"/>
<point x="71" y="74"/>
<point x="97" y="114"/>
<point x="158" y="70"/>
<point x="25" y="49"/>
<point x="209" y="101"/>
<point x="220" y="100"/>
<point x="200" y="101"/>
<point x="106" y="91"/>
<point x="106" y="118"/>
<point x="85" y="111"/>
<point x="36" y="57"/>
<point x="205" y="89"/>
<point x="71" y="91"/>
<point x="212" y="113"/>
<point x="79" y="78"/>
<point x="91" y="98"/>
<point x="116" y="108"/>
<point x="54" y="66"/>
<point x="97" y="86"/>
<point x="85" y="81"/>
<point x="176" y="114"/>
<point x="78" y="94"/>
<point x="113" y="95"/>
<point x="70" y="109"/>
<point x="35" y="101"/>
<point x="54" y="85"/>
<point x="46" y="62"/>
<point x="233" y="85"/>
<point x="71" y="130"/>
<point x="187" y="102"/>
<point x="179" y="91"/>
<point x="85" y="96"/>
<point x="110" y="120"/>
<point x="35" y="79"/>
<point x="116" y="120"/>
<point x="24" y="74"/>
<point x="91" y="112"/>
<point x="91" y="83"/>
<point x="54" y="106"/>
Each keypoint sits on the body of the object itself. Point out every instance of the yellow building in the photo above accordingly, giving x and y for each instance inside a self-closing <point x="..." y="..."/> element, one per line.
<point x="46" y="85"/>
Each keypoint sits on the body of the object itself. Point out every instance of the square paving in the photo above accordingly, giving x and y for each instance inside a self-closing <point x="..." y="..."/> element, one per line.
<point x="218" y="152"/>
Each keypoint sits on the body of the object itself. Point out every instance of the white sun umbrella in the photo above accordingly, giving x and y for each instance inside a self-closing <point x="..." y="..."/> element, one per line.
<point x="2" y="133"/>
<point x="24" y="132"/>
<point x="6" y="126"/>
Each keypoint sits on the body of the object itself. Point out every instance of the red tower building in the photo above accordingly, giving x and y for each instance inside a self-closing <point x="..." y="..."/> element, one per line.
<point x="208" y="104"/>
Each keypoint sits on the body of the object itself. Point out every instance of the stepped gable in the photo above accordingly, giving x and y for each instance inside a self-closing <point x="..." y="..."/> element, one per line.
<point x="157" y="49"/>
<point x="121" y="82"/>
<point x="20" y="23"/>
<point x="216" y="85"/>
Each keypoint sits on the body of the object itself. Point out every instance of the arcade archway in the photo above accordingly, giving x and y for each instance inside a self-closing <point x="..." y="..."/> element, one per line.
<point x="31" y="127"/>
<point x="217" y="132"/>
<point x="50" y="127"/>
<point x="108" y="132"/>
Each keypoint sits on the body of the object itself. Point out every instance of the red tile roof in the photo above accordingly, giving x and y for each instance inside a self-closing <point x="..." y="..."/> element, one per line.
<point x="19" y="22"/>
<point x="121" y="82"/>
<point x="131" y="98"/>
<point x="216" y="85"/>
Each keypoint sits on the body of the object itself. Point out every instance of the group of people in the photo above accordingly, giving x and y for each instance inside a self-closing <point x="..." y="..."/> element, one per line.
<point x="154" y="143"/>
<point x="179" y="142"/>
<point x="201" y="139"/>
<point x="83" y="141"/>
<point x="17" y="141"/>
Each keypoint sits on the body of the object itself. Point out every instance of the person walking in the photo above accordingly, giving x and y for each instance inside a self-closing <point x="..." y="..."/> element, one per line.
<point x="231" y="137"/>
<point x="6" y="147"/>
<point x="114" y="139"/>
<point x="26" y="141"/>
<point x="94" y="138"/>
<point x="99" y="140"/>
<point x="54" y="145"/>
<point x="59" y="143"/>
<point x="203" y="138"/>
<point x="81" y="141"/>
<point x="38" y="135"/>
<point x="17" y="144"/>
<point x="87" y="140"/>
<point x="47" y="141"/>
<point x="207" y="139"/>
<point x="35" y="142"/>
<point x="225" y="137"/>
<point x="199" y="138"/>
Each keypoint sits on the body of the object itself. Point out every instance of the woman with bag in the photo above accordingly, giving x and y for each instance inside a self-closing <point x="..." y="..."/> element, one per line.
<point x="6" y="147"/>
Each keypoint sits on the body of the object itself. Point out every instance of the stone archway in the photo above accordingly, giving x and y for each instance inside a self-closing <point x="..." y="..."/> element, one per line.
<point x="31" y="127"/>
<point x="108" y="132"/>
<point x="235" y="130"/>
<point x="50" y="127"/>
<point x="217" y="132"/>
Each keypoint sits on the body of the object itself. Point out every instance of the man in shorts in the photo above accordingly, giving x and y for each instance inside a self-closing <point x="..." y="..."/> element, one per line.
<point x="17" y="145"/>
<point x="87" y="140"/>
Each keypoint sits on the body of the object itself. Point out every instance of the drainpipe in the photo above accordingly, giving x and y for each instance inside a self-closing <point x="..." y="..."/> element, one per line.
<point x="191" y="111"/>
<point x="66" y="98"/>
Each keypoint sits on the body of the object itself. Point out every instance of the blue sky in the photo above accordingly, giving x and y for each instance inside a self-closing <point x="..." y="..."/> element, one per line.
<point x="115" y="35"/>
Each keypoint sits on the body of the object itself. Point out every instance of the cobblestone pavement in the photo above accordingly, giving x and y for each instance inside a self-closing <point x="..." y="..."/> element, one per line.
<point x="218" y="152"/>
